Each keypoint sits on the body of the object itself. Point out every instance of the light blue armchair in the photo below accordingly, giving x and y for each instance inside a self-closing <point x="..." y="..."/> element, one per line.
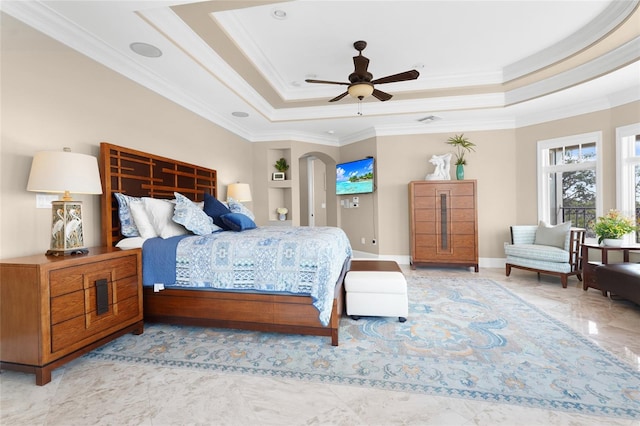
<point x="546" y="250"/>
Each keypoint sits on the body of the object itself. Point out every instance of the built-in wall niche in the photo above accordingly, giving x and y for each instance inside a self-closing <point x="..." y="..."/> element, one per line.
<point x="279" y="192"/>
<point x="273" y="155"/>
<point x="280" y="197"/>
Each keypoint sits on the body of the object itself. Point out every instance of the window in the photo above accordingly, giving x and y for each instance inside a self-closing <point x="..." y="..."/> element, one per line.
<point x="569" y="179"/>
<point x="628" y="171"/>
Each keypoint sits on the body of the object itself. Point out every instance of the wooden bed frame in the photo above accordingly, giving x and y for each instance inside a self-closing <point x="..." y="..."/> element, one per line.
<point x="140" y="174"/>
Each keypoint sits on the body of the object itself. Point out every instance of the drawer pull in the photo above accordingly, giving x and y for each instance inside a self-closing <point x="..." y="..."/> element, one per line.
<point x="102" y="297"/>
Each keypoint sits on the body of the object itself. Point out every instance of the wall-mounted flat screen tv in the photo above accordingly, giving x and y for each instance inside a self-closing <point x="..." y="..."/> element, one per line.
<point x="355" y="177"/>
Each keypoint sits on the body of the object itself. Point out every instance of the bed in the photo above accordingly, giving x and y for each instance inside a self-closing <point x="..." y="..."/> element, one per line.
<point x="140" y="174"/>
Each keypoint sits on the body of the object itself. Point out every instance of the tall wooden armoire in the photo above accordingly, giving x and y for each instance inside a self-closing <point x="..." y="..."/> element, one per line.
<point x="443" y="222"/>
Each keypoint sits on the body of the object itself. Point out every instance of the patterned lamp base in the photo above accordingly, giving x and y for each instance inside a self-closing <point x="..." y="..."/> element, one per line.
<point x="66" y="228"/>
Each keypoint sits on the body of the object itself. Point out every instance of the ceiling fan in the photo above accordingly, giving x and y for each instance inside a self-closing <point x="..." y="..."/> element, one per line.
<point x="360" y="80"/>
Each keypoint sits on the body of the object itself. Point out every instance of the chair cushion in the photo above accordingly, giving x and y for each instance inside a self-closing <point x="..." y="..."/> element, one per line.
<point x="537" y="252"/>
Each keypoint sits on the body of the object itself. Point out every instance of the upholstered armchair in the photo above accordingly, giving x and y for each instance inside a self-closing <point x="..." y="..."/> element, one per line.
<point x="551" y="250"/>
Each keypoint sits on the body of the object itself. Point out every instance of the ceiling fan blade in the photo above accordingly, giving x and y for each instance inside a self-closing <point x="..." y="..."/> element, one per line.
<point x="337" y="98"/>
<point x="383" y="96"/>
<point x="327" y="82"/>
<point x="403" y="76"/>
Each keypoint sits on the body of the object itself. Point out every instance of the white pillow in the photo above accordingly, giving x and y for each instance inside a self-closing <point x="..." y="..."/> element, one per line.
<point x="141" y="218"/>
<point x="161" y="214"/>
<point x="130" y="243"/>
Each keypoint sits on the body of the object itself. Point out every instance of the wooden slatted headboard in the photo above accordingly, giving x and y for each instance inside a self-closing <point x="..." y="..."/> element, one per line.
<point x="140" y="174"/>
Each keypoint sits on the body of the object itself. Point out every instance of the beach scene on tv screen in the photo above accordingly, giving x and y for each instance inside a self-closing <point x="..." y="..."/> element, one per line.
<point x="355" y="177"/>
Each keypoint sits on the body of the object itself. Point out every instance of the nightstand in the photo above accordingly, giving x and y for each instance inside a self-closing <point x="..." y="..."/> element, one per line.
<point x="55" y="308"/>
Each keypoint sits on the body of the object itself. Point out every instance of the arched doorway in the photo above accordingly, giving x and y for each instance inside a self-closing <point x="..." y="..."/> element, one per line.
<point x="318" y="206"/>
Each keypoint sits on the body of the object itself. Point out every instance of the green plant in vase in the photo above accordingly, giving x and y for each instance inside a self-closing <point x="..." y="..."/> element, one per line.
<point x="463" y="146"/>
<point x="613" y="226"/>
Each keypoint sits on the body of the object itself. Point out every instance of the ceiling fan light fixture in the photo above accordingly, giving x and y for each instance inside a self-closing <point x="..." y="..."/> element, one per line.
<point x="360" y="90"/>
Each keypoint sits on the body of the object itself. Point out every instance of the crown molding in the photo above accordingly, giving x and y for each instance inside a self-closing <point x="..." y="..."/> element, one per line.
<point x="617" y="58"/>
<point x="38" y="15"/>
<point x="614" y="14"/>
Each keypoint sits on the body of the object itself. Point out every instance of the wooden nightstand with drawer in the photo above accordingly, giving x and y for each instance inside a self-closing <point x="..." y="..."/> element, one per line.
<point x="54" y="309"/>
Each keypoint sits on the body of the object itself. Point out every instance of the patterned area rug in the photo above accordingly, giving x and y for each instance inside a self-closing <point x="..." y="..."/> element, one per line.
<point x="467" y="338"/>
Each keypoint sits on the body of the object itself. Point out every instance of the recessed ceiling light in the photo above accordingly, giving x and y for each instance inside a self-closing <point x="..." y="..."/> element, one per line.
<point x="240" y="114"/>
<point x="145" y="49"/>
<point x="279" y="14"/>
<point x="331" y="132"/>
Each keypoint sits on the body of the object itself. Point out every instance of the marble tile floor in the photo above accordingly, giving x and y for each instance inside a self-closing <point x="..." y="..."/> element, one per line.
<point x="89" y="392"/>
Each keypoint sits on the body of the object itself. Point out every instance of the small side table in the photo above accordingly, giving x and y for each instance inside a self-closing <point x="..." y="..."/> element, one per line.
<point x="589" y="268"/>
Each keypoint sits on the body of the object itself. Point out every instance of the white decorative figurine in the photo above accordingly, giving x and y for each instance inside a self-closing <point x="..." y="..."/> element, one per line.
<point x="443" y="167"/>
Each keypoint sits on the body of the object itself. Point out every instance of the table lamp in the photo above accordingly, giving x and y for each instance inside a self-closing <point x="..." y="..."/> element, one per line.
<point x="65" y="172"/>
<point x="240" y="192"/>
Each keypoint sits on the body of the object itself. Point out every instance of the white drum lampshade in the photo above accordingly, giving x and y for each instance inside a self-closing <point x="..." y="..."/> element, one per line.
<point x="65" y="172"/>
<point x="240" y="192"/>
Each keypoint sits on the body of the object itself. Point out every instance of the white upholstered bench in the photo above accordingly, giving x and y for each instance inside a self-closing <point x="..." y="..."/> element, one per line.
<point x="376" y="288"/>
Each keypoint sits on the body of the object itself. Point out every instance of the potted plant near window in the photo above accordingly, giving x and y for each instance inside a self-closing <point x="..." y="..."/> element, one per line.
<point x="462" y="145"/>
<point x="281" y="166"/>
<point x="611" y="227"/>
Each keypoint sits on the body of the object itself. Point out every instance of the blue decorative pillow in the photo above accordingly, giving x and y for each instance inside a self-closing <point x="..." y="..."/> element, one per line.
<point x="237" y="207"/>
<point x="192" y="217"/>
<point x="238" y="222"/>
<point x="128" y="226"/>
<point x="215" y="209"/>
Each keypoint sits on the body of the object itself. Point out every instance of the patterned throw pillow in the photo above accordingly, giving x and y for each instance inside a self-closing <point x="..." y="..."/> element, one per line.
<point x="128" y="226"/>
<point x="238" y="207"/>
<point x="192" y="217"/>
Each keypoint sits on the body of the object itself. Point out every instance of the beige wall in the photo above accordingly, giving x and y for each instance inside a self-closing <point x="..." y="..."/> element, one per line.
<point x="526" y="150"/>
<point x="53" y="97"/>
<point x="361" y="222"/>
<point x="402" y="159"/>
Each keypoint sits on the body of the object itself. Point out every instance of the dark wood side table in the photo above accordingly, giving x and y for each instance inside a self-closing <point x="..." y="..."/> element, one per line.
<point x="589" y="268"/>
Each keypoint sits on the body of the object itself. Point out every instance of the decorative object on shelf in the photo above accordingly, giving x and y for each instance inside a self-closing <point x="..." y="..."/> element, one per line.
<point x="611" y="227"/>
<point x="443" y="167"/>
<point x="282" y="213"/>
<point x="281" y="166"/>
<point x="462" y="146"/>
<point x="65" y="172"/>
<point x="240" y="192"/>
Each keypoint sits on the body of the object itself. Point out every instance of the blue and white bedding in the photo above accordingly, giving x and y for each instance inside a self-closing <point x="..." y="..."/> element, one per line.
<point x="276" y="259"/>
